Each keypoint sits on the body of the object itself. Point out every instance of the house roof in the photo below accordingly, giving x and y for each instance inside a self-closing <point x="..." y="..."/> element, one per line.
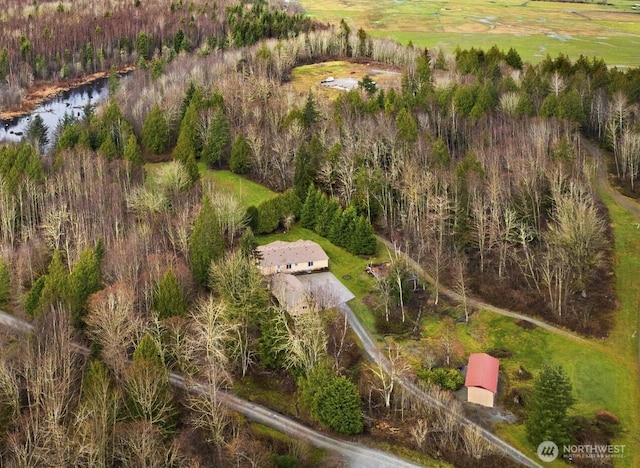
<point x="282" y="253"/>
<point x="482" y="371"/>
<point x="289" y="290"/>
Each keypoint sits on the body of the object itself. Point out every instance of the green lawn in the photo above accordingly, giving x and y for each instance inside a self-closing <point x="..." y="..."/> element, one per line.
<point x="534" y="28"/>
<point x="249" y="192"/>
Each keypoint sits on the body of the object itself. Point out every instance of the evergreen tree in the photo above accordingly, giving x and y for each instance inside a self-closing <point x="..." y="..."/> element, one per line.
<point x="310" y="114"/>
<point x="185" y="150"/>
<point x="407" y="126"/>
<point x="548" y="405"/>
<point x="248" y="244"/>
<point x="272" y="333"/>
<point x="5" y="282"/>
<point x="168" y="297"/>
<point x="570" y="107"/>
<point x="84" y="280"/>
<point x="312" y="385"/>
<point x="328" y="209"/>
<point x="441" y="153"/>
<point x="289" y="204"/>
<point x="513" y="59"/>
<point x="178" y="41"/>
<point x="549" y="107"/>
<point x="32" y="299"/>
<point x="108" y="149"/>
<point x="143" y="46"/>
<point x="206" y="242"/>
<point x="309" y="213"/>
<point x="268" y="216"/>
<point x="424" y="84"/>
<point x="464" y="100"/>
<point x="486" y="101"/>
<point x="217" y="140"/>
<point x="368" y="85"/>
<point x="339" y="407"/>
<point x="132" y="150"/>
<point x="56" y="290"/>
<point x="307" y="164"/>
<point x="149" y="393"/>
<point x="155" y="131"/>
<point x="37" y="133"/>
<point x="342" y="227"/>
<point x="363" y="240"/>
<point x="240" y="159"/>
<point x="148" y="351"/>
<point x="441" y="61"/>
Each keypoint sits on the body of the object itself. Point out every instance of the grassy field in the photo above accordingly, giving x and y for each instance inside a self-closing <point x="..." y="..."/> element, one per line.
<point x="249" y="192"/>
<point x="533" y="28"/>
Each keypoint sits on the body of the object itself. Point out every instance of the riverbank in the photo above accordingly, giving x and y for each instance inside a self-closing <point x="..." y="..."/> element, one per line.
<point x="44" y="91"/>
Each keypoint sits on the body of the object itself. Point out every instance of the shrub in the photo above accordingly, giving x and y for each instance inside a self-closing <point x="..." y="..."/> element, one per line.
<point x="447" y="379"/>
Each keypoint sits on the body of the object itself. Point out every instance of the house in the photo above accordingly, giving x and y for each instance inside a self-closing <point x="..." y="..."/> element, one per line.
<point x="482" y="379"/>
<point x="291" y="257"/>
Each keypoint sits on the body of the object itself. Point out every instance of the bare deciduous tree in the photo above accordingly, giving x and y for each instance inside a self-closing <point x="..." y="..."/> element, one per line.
<point x="111" y="322"/>
<point x="389" y="367"/>
<point x="306" y="340"/>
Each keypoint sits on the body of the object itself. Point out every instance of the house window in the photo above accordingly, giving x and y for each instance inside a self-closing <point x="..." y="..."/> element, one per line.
<point x="310" y="264"/>
<point x="288" y="266"/>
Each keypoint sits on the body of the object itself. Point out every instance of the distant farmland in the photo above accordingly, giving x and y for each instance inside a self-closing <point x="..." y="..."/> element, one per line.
<point x="534" y="28"/>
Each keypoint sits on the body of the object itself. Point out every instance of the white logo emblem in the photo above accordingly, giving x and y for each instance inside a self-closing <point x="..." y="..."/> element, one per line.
<point x="548" y="451"/>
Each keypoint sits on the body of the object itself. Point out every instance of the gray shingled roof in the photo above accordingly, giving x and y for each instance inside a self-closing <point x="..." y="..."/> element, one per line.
<point x="282" y="253"/>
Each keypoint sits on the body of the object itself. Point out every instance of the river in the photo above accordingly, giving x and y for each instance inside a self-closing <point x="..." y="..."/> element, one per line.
<point x="71" y="102"/>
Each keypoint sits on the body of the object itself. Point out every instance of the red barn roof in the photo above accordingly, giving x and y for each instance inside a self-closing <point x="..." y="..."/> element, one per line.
<point x="482" y="371"/>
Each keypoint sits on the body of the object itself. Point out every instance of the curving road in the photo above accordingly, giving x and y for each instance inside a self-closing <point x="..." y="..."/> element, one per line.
<point x="357" y="455"/>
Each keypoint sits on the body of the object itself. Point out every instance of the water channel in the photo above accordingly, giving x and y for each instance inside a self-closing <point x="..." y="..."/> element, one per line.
<point x="70" y="102"/>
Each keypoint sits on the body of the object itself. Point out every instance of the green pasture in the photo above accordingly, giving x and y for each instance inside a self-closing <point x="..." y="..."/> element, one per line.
<point x="535" y="29"/>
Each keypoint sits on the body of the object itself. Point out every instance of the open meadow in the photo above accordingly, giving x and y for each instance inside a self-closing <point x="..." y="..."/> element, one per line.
<point x="533" y="28"/>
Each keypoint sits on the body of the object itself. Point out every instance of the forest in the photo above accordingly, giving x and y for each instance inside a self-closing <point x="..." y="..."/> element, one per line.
<point x="49" y="42"/>
<point x="475" y="166"/>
